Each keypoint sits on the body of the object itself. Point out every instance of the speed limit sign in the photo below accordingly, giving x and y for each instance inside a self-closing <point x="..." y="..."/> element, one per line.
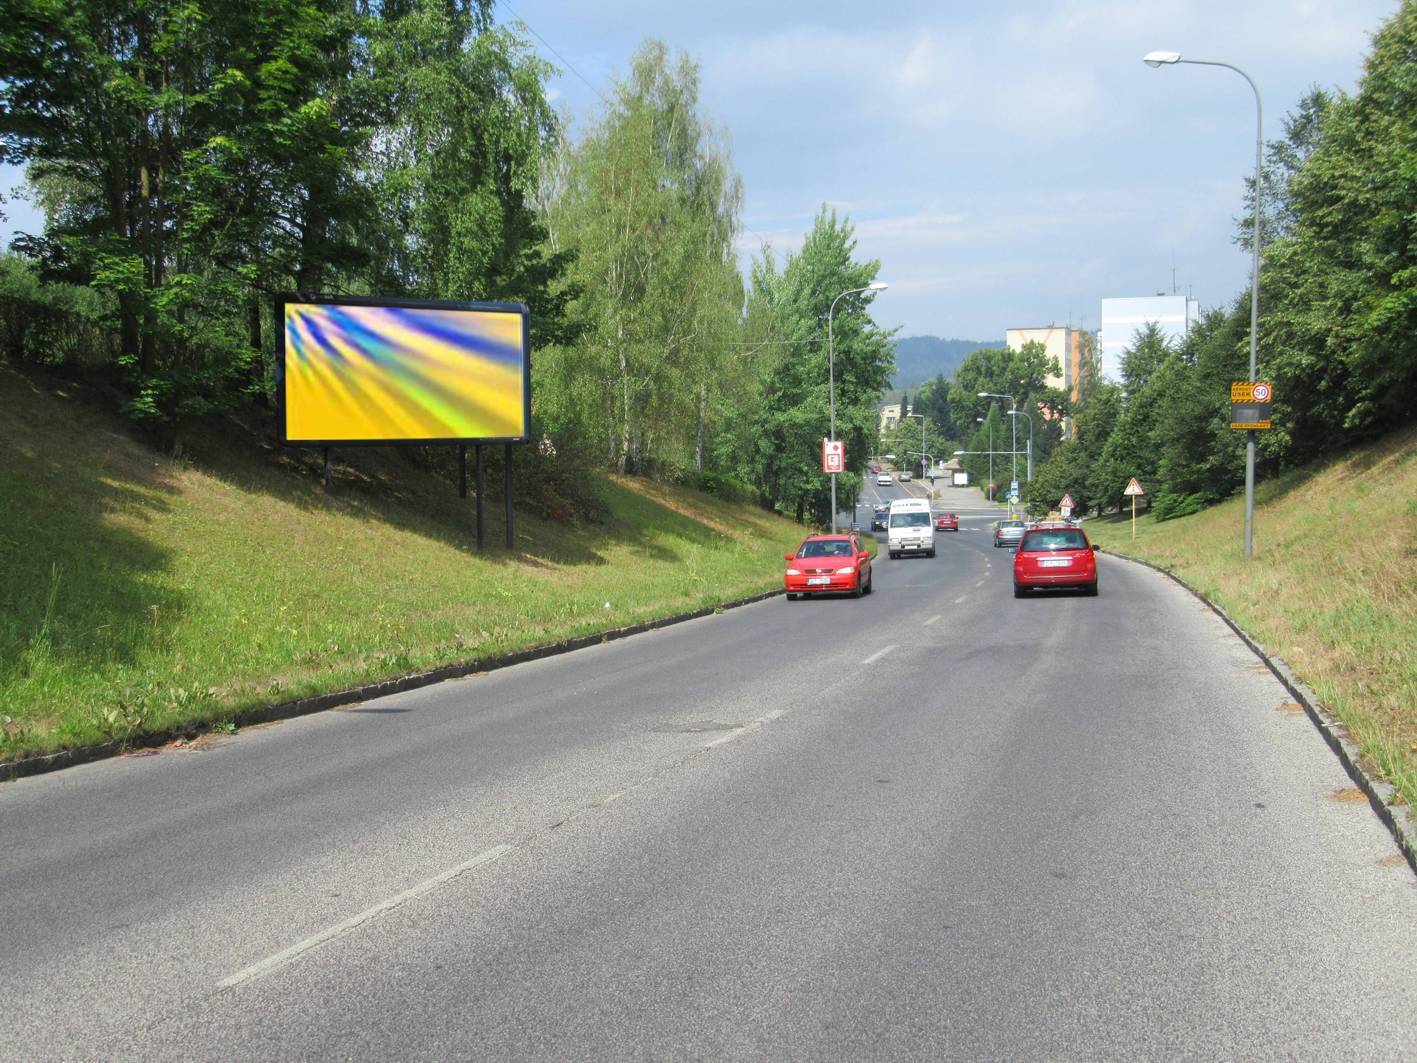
<point x="1260" y="392"/>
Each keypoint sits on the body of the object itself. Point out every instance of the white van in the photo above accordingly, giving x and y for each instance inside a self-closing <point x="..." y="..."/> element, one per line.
<point x="910" y="527"/>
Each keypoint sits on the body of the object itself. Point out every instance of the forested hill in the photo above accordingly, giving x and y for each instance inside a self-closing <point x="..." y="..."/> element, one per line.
<point x="922" y="358"/>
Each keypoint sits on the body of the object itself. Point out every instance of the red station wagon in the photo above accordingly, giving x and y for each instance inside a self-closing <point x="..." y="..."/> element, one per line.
<point x="1055" y="555"/>
<point x="946" y="522"/>
<point x="828" y="564"/>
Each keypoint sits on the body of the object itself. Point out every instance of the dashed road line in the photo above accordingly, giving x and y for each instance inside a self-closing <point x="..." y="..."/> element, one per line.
<point x="878" y="655"/>
<point x="931" y="620"/>
<point x="272" y="963"/>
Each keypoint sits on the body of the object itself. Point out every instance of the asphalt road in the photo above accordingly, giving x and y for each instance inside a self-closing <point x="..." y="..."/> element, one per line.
<point x="934" y="822"/>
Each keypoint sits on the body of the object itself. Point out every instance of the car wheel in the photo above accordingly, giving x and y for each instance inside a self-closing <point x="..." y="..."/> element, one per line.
<point x="858" y="590"/>
<point x="1090" y="590"/>
<point x="930" y="553"/>
<point x="1020" y="592"/>
<point x="894" y="555"/>
<point x="791" y="597"/>
<point x="870" y="584"/>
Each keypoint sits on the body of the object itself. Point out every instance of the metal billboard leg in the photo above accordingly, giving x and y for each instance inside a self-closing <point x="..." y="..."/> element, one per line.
<point x="481" y="492"/>
<point x="507" y="468"/>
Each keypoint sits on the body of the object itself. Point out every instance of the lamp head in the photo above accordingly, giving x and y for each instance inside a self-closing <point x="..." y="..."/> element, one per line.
<point x="877" y="286"/>
<point x="1155" y="59"/>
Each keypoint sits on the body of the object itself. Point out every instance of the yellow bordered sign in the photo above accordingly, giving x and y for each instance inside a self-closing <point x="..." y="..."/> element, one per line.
<point x="1250" y="404"/>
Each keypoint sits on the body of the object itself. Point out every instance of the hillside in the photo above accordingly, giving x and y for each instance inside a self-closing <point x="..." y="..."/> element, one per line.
<point x="144" y="593"/>
<point x="1330" y="587"/>
<point x="922" y="358"/>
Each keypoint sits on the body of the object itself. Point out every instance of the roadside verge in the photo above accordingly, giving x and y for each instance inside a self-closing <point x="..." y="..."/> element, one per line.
<point x="1382" y="796"/>
<point x="68" y="758"/>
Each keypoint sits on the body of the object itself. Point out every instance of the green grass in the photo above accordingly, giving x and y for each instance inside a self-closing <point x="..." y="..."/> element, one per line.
<point x="1332" y="586"/>
<point x="143" y="594"/>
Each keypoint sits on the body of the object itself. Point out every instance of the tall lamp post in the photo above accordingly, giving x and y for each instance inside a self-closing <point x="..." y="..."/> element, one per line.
<point x="1024" y="413"/>
<point x="1159" y="59"/>
<point x="875" y="286"/>
<point x="990" y="423"/>
<point x="1013" y="458"/>
<point x="921" y="417"/>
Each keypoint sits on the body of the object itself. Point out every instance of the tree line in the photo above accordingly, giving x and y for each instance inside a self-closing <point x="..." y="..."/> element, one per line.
<point x="191" y="161"/>
<point x="1337" y="333"/>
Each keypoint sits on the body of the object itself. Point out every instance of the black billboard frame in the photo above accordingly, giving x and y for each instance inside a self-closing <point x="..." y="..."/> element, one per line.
<point x="521" y="309"/>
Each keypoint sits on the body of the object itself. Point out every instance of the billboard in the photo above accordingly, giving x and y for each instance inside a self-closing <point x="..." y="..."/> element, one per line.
<point x="356" y="370"/>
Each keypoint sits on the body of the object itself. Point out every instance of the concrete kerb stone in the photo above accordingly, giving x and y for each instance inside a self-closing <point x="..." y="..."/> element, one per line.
<point x="38" y="765"/>
<point x="1397" y="818"/>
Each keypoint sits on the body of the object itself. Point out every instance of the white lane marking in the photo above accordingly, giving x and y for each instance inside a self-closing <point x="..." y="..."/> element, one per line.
<point x="961" y="598"/>
<point x="285" y="956"/>
<point x="931" y="620"/>
<point x="980" y="583"/>
<point x="878" y="655"/>
<point x="751" y="725"/>
<point x="730" y="736"/>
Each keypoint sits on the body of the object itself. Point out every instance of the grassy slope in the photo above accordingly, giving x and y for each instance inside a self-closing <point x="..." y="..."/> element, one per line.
<point x="136" y="587"/>
<point x="1332" y="587"/>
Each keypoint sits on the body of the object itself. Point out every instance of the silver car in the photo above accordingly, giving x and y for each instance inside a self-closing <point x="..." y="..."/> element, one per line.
<point x="1008" y="532"/>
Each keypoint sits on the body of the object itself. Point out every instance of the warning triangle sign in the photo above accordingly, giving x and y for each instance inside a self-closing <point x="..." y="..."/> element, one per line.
<point x="1066" y="503"/>
<point x="1133" y="488"/>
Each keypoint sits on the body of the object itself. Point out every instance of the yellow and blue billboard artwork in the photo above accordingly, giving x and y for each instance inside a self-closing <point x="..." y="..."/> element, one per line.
<point x="403" y="373"/>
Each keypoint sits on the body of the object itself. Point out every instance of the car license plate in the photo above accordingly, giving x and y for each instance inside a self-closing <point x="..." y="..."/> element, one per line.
<point x="818" y="581"/>
<point x="1055" y="562"/>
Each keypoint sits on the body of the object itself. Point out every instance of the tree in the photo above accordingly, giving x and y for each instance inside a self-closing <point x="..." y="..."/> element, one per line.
<point x="649" y="204"/>
<point x="794" y="415"/>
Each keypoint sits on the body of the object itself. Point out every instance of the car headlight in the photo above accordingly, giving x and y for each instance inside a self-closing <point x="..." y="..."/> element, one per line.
<point x="847" y="571"/>
<point x="794" y="572"/>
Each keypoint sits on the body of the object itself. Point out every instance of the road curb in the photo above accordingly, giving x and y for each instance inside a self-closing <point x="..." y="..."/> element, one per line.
<point x="69" y="758"/>
<point x="1397" y="818"/>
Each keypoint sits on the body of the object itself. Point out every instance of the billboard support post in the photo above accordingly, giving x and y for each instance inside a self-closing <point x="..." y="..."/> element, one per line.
<point x="327" y="466"/>
<point x="480" y="484"/>
<point x="507" y="487"/>
<point x="462" y="470"/>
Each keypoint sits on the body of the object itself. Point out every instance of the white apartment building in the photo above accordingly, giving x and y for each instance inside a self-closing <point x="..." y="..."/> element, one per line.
<point x="1122" y="318"/>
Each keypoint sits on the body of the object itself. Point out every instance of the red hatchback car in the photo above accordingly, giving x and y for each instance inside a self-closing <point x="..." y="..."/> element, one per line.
<point x="829" y="564"/>
<point x="1055" y="555"/>
<point x="946" y="522"/>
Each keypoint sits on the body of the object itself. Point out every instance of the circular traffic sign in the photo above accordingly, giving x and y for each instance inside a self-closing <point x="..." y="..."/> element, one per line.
<point x="1261" y="392"/>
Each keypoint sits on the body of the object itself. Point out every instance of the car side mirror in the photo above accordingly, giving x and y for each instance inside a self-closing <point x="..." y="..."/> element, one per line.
<point x="1095" y="548"/>
<point x="789" y="557"/>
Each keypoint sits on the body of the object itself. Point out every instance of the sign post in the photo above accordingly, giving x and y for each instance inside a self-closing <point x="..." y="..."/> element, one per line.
<point x="1134" y="489"/>
<point x="833" y="462"/>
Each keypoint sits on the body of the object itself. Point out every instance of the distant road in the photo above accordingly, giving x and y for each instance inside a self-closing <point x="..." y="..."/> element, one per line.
<point x="935" y="822"/>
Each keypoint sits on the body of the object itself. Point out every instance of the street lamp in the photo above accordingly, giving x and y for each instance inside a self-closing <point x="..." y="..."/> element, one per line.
<point x="874" y="286"/>
<point x="990" y="423"/>
<point x="1159" y="59"/>
<point x="1025" y="413"/>
<point x="921" y="416"/>
<point x="1013" y="458"/>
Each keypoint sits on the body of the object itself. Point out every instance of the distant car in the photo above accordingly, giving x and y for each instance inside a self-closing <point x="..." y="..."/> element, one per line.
<point x="1008" y="532"/>
<point x="828" y="564"/>
<point x="904" y="477"/>
<point x="874" y="468"/>
<point x="946" y="522"/>
<point x="1055" y="555"/>
<point x="883" y="480"/>
<point x="879" y="516"/>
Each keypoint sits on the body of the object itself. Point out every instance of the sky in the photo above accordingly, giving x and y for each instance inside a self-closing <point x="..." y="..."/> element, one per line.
<point x="1009" y="164"/>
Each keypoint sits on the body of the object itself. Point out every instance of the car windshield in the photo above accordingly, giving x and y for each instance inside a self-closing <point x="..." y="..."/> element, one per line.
<point x="825" y="548"/>
<point x="1061" y="539"/>
<point x="910" y="520"/>
<point x="1010" y="524"/>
